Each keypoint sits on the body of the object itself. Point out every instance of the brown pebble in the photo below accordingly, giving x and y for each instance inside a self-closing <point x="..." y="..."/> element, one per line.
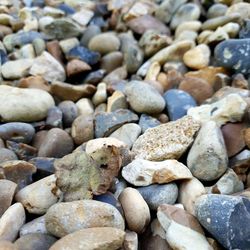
<point x="54" y="49"/>
<point x="76" y="66"/>
<point x="35" y="82"/>
<point x="39" y="138"/>
<point x="171" y="80"/>
<point x="239" y="81"/>
<point x="246" y="134"/>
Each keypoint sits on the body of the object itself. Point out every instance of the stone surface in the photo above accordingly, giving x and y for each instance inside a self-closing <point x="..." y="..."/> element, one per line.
<point x="11" y="222"/>
<point x="156" y="195"/>
<point x="48" y="67"/>
<point x="106" y="238"/>
<point x="7" y="245"/>
<point x="150" y="102"/>
<point x="7" y="155"/>
<point x="225" y="218"/>
<point x="233" y="54"/>
<point x="231" y="108"/>
<point x="24" y="105"/>
<point x="69" y="111"/>
<point x="166" y="141"/>
<point x="207" y="159"/>
<point x="36" y="241"/>
<point x="56" y="143"/>
<point x="35" y="226"/>
<point x="75" y="67"/>
<point x="143" y="172"/>
<point x="111" y="61"/>
<point x="147" y="121"/>
<point x="178" y="102"/>
<point x="81" y="214"/>
<point x="40" y="195"/>
<point x="8" y="189"/>
<point x="106" y="123"/>
<point x="136" y="210"/>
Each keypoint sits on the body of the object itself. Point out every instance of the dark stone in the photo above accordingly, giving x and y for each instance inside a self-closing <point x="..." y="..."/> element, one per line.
<point x="106" y="123"/>
<point x="147" y="121"/>
<point x="227" y="218"/>
<point x="69" y="112"/>
<point x="245" y="30"/>
<point x="177" y="103"/>
<point x="54" y="118"/>
<point x="234" y="54"/>
<point x="84" y="54"/>
<point x="66" y="8"/>
<point x="17" y="131"/>
<point x="95" y="77"/>
<point x="98" y="21"/>
<point x="3" y="57"/>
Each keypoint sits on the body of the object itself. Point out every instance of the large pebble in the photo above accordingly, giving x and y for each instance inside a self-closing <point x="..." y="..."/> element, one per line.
<point x="156" y="195"/>
<point x="226" y="218"/>
<point x="48" y="67"/>
<point x="39" y="196"/>
<point x="151" y="102"/>
<point x="25" y="105"/>
<point x="143" y="173"/>
<point x="233" y="54"/>
<point x="92" y="239"/>
<point x="136" y="210"/>
<point x="231" y="108"/>
<point x="166" y="141"/>
<point x="81" y="214"/>
<point x="11" y="222"/>
<point x="57" y="143"/>
<point x="207" y="159"/>
<point x="178" y="102"/>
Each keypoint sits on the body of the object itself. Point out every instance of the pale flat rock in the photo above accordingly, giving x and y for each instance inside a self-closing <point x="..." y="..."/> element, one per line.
<point x="48" y="67"/>
<point x="96" y="238"/>
<point x="40" y="195"/>
<point x="67" y="217"/>
<point x="143" y="173"/>
<point x="166" y="141"/>
<point x="229" y="109"/>
<point x="11" y="222"/>
<point x="24" y="105"/>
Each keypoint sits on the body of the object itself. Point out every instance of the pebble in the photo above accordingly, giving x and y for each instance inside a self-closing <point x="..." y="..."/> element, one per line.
<point x="81" y="214"/>
<point x="245" y="30"/>
<point x="198" y="57"/>
<point x="69" y="112"/>
<point x="143" y="172"/>
<point x="8" y="189"/>
<point x="21" y="67"/>
<point x="111" y="61"/>
<point x="172" y="139"/>
<point x="34" y="82"/>
<point x="57" y="143"/>
<point x="130" y="241"/>
<point x="233" y="54"/>
<point x="83" y="16"/>
<point x="48" y="67"/>
<point x="92" y="238"/>
<point x="54" y="118"/>
<point x="19" y="172"/>
<point x="189" y="192"/>
<point x="116" y="101"/>
<point x="156" y="195"/>
<point x="11" y="222"/>
<point x="224" y="216"/>
<point x="75" y="67"/>
<point x="178" y="102"/>
<point x="106" y="123"/>
<point x="7" y="155"/>
<point x="136" y="210"/>
<point x="151" y="102"/>
<point x="128" y="133"/>
<point x="85" y="107"/>
<point x="104" y="43"/>
<point x="231" y="108"/>
<point x="239" y="8"/>
<point x="7" y="245"/>
<point x="217" y="10"/>
<point x="207" y="158"/>
<point x="36" y="241"/>
<point x="147" y="121"/>
<point x="40" y="195"/>
<point x="89" y="33"/>
<point x="100" y="95"/>
<point x="24" y="105"/>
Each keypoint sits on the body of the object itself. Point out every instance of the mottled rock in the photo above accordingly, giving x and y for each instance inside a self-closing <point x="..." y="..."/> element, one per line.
<point x="92" y="238"/>
<point x="81" y="214"/>
<point x="233" y="54"/>
<point x="178" y="102"/>
<point x="150" y="102"/>
<point x="11" y="222"/>
<point x="207" y="159"/>
<point x="143" y="172"/>
<point x="40" y="195"/>
<point x="106" y="123"/>
<point x="48" y="67"/>
<point x="38" y="241"/>
<point x="135" y="209"/>
<point x="156" y="195"/>
<point x="231" y="108"/>
<point x="225" y="218"/>
<point x="8" y="189"/>
<point x="172" y="139"/>
<point x="239" y="8"/>
<point x="57" y="143"/>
